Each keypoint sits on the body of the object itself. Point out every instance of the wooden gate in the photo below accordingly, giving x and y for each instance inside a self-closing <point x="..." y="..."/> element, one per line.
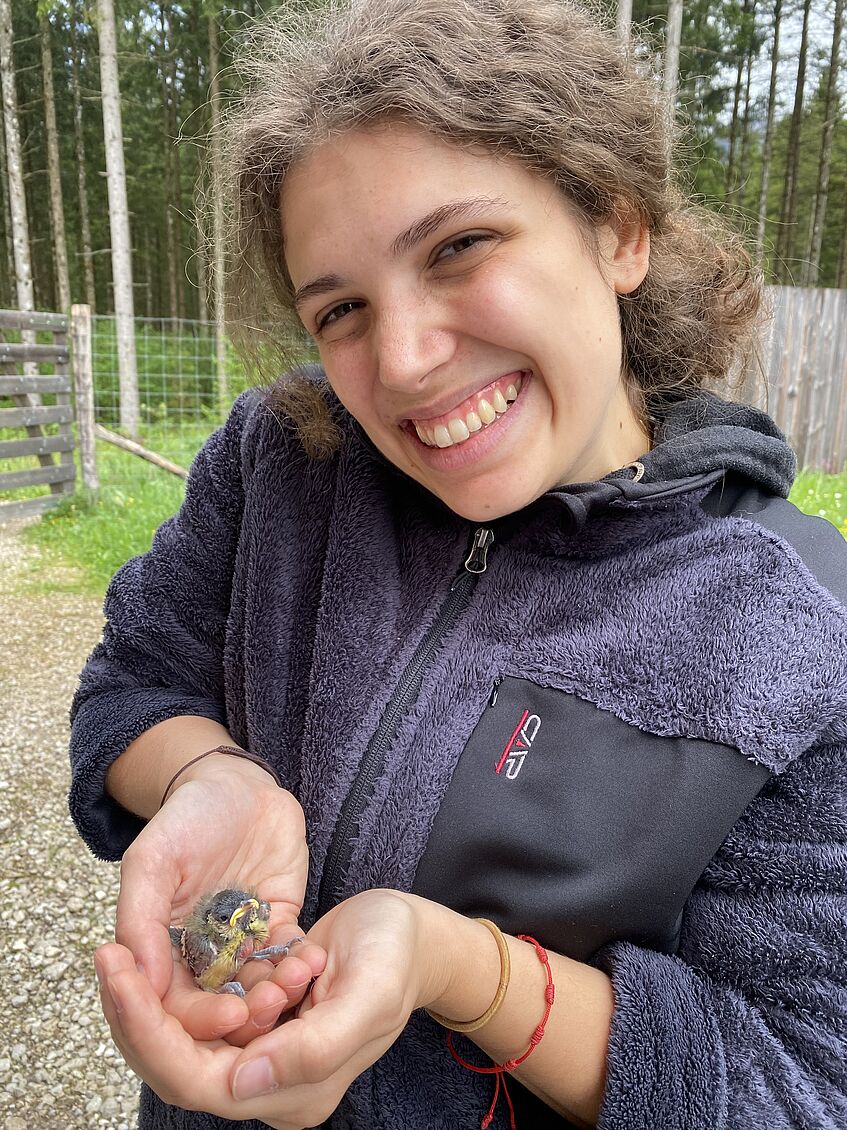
<point x="45" y="431"/>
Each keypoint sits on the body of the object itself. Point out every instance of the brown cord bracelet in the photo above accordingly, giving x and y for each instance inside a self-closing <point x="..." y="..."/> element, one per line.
<point x="233" y="751"/>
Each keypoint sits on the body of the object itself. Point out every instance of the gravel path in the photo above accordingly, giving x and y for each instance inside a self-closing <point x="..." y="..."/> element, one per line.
<point x="58" y="1067"/>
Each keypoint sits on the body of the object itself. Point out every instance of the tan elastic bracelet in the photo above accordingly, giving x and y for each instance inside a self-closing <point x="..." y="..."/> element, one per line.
<point x="505" y="973"/>
<point x="233" y="751"/>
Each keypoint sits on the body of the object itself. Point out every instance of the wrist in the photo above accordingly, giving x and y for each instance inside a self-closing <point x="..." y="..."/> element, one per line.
<point x="230" y="762"/>
<point x="459" y="961"/>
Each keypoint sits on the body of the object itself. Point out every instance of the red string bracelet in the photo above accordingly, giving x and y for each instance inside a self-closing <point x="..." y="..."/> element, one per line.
<point x="499" y="1070"/>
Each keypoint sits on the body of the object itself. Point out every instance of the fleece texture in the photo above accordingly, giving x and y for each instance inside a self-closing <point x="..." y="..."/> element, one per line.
<point x="287" y="598"/>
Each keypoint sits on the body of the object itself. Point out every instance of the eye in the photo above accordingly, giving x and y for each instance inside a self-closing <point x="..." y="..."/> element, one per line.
<point x="337" y="313"/>
<point x="222" y="916"/>
<point x="460" y="245"/>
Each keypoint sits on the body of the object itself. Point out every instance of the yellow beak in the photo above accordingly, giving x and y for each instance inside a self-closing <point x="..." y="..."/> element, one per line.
<point x="245" y="908"/>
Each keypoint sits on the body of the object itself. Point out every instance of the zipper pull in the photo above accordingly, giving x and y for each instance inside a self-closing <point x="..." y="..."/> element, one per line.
<point x="477" y="559"/>
<point x="495" y="690"/>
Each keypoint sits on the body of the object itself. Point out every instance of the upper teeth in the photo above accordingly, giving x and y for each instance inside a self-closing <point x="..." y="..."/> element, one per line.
<point x="458" y="428"/>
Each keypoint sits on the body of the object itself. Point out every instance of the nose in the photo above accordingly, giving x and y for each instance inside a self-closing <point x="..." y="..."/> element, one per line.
<point x="412" y="341"/>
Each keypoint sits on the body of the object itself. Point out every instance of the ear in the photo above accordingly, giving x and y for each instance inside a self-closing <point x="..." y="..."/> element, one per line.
<point x="628" y="250"/>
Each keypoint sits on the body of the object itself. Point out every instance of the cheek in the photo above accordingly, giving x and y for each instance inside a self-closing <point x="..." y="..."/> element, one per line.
<point x="347" y="378"/>
<point x="501" y="309"/>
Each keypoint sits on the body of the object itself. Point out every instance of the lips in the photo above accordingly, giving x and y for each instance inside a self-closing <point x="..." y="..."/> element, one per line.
<point x="472" y="415"/>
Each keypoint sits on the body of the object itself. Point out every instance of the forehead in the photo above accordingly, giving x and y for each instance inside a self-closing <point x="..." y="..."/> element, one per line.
<point x="367" y="185"/>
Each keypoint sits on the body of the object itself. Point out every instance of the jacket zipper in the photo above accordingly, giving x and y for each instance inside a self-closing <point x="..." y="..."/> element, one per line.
<point x="457" y="600"/>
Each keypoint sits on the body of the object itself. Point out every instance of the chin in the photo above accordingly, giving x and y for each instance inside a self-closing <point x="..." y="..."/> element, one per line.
<point x="482" y="510"/>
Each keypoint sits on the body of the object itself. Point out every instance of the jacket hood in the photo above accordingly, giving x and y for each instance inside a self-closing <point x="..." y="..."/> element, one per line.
<point x="695" y="443"/>
<point x="704" y="434"/>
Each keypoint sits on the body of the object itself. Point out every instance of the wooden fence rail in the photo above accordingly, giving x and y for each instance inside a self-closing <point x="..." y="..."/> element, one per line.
<point x="21" y="384"/>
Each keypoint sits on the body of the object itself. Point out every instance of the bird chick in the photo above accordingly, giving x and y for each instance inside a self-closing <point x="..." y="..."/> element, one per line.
<point x="224" y="930"/>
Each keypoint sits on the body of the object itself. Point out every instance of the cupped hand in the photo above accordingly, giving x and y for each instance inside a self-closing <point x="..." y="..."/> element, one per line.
<point x="227" y="825"/>
<point x="378" y="969"/>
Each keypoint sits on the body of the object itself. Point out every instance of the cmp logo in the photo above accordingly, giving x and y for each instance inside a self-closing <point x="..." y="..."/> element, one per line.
<point x="519" y="745"/>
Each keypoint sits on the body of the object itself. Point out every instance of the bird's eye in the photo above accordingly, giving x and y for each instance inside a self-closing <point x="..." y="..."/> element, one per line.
<point x="222" y="916"/>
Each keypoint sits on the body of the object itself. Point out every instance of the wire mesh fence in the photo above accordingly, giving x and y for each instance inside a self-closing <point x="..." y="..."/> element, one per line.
<point x="177" y="388"/>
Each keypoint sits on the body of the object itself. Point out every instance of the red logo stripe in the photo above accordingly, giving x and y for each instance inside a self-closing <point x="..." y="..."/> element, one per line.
<point x="508" y="748"/>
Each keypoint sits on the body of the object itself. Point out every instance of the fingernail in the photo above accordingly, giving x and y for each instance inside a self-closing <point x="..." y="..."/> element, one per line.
<point x="254" y="1078"/>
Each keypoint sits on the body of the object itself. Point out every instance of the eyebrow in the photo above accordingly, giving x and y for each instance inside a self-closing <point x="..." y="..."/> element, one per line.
<point x="406" y="240"/>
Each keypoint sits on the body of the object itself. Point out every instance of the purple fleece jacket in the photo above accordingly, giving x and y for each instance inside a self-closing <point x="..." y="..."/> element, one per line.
<point x="286" y="600"/>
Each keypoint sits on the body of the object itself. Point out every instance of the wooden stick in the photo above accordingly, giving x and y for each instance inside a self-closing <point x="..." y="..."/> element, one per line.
<point x="136" y="449"/>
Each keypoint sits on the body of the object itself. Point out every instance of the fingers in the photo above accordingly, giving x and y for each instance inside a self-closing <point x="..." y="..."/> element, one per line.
<point x="204" y="1016"/>
<point x="342" y="1034"/>
<point x="296" y="972"/>
<point x="265" y="1004"/>
<point x="273" y="989"/>
<point x="154" y="1044"/>
<point x="183" y="1072"/>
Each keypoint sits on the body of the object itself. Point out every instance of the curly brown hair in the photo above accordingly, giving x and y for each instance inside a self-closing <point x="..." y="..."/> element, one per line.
<point x="540" y="81"/>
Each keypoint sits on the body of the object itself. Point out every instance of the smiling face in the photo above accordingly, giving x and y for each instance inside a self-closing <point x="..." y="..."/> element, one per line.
<point x="461" y="317"/>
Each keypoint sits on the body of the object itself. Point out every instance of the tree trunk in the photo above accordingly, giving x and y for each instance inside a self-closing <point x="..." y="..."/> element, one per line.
<point x="670" y="74"/>
<point x="767" y="148"/>
<point x="14" y="165"/>
<point x="148" y="278"/>
<point x="176" y="173"/>
<point x="79" y="146"/>
<point x="841" y="280"/>
<point x="219" y="263"/>
<point x="741" y="43"/>
<point x="830" y="114"/>
<point x="789" y="194"/>
<point x="118" y="217"/>
<point x="200" y="267"/>
<point x="57" y="211"/>
<point x="8" y="296"/>
<point x="744" y="159"/>
<point x="167" y="141"/>
<point x="624" y="19"/>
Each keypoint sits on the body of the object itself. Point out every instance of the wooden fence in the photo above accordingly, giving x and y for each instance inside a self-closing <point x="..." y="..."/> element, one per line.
<point x="21" y="383"/>
<point x="801" y="380"/>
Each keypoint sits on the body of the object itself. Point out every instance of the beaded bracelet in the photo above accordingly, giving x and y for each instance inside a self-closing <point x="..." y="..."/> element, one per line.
<point x="499" y="1070"/>
<point x="505" y="972"/>
<point x="233" y="751"/>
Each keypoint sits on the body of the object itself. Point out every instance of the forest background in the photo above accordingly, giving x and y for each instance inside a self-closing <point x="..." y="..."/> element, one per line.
<point x="731" y="85"/>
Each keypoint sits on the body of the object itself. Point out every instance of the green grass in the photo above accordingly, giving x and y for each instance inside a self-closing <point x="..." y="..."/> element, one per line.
<point x="83" y="542"/>
<point x="824" y="495"/>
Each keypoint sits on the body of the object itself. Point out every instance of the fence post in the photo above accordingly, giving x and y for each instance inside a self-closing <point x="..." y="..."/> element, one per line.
<point x="84" y="393"/>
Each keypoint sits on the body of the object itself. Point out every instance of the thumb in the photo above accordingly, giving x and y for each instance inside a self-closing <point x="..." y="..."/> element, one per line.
<point x="144" y="915"/>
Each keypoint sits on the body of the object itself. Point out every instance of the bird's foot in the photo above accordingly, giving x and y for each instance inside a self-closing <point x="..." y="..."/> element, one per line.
<point x="234" y="987"/>
<point x="275" y="951"/>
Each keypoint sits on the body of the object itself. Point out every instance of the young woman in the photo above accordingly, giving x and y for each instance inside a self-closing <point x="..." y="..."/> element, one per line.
<point x="515" y="611"/>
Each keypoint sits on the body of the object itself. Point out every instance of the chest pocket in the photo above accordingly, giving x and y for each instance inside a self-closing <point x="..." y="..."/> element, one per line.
<point x="564" y="822"/>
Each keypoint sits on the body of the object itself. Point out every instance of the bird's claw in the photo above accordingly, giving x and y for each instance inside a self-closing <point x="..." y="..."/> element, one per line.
<point x="234" y="987"/>
<point x="275" y="951"/>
